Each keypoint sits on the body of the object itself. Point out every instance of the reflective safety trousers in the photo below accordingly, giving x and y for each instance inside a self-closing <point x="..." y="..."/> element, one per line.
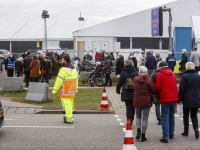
<point x="68" y="105"/>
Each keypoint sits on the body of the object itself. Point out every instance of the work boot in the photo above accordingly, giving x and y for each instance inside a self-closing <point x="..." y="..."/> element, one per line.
<point x="159" y="122"/>
<point x="171" y="136"/>
<point x="138" y="133"/>
<point x="185" y="133"/>
<point x="68" y="122"/>
<point x="143" y="139"/>
<point x="196" y="133"/>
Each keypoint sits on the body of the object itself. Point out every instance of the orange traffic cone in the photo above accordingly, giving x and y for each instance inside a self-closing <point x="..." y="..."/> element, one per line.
<point x="128" y="139"/>
<point x="104" y="102"/>
<point x="20" y="75"/>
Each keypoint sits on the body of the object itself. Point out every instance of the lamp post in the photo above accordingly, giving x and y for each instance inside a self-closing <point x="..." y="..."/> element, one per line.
<point x="44" y="16"/>
<point x="170" y="26"/>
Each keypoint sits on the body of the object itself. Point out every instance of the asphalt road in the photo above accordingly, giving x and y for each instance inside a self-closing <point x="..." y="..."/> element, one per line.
<point x="89" y="132"/>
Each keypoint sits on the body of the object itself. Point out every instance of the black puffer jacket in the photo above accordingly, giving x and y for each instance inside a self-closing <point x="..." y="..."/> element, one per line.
<point x="107" y="65"/>
<point x="132" y="73"/>
<point x="189" y="90"/>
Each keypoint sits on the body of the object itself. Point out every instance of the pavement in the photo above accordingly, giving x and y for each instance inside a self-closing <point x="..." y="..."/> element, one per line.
<point x="89" y="132"/>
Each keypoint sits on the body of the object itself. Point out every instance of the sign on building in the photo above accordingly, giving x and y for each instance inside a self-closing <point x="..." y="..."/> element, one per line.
<point x="157" y="22"/>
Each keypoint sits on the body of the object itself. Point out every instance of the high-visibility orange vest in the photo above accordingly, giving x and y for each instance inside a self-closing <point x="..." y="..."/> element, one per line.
<point x="68" y="88"/>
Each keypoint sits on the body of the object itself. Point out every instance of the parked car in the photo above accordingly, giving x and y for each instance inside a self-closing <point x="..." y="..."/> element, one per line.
<point x="2" y="59"/>
<point x="4" y="53"/>
<point x="1" y="115"/>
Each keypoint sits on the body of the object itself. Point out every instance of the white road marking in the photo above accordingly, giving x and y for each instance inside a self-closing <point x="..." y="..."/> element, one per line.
<point x="181" y="118"/>
<point x="8" y="119"/>
<point x="176" y="115"/>
<point x="124" y="129"/>
<point x="116" y="116"/>
<point x="119" y="119"/>
<point x="121" y="123"/>
<point x="190" y="122"/>
<point x="47" y="127"/>
<point x="199" y="129"/>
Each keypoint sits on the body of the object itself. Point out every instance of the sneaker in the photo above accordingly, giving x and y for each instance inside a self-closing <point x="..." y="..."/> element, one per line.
<point x="68" y="122"/>
<point x="171" y="136"/>
<point x="164" y="140"/>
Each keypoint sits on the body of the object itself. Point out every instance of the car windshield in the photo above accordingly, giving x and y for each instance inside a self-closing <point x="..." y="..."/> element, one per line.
<point x="1" y="52"/>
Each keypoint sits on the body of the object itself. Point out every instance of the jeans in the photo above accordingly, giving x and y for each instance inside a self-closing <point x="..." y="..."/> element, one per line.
<point x="193" y="116"/>
<point x="196" y="69"/>
<point x="157" y="107"/>
<point x="168" y="120"/>
<point x="143" y="116"/>
<point x="130" y="110"/>
<point x="150" y="72"/>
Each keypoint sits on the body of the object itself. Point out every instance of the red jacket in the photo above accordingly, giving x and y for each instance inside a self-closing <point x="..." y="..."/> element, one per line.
<point x="97" y="56"/>
<point x="142" y="96"/>
<point x="98" y="68"/>
<point x="166" y="86"/>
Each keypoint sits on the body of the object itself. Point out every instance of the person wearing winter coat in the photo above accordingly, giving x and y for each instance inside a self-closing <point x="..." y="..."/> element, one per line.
<point x="97" y="56"/>
<point x="171" y="61"/>
<point x="27" y="61"/>
<point x="51" y="58"/>
<point x="142" y="58"/>
<point x="119" y="64"/>
<point x="107" y="69"/>
<point x="87" y="57"/>
<point x="112" y="56"/>
<point x="189" y="95"/>
<point x="101" y="56"/>
<point x="158" y="59"/>
<point x="47" y="68"/>
<point x="150" y="63"/>
<point x="19" y="66"/>
<point x="35" y="67"/>
<point x="23" y="55"/>
<point x="142" y="101"/>
<point x="134" y="60"/>
<point x="10" y="65"/>
<point x="167" y="90"/>
<point x="194" y="58"/>
<point x="157" y="106"/>
<point x="184" y="60"/>
<point x="127" y="95"/>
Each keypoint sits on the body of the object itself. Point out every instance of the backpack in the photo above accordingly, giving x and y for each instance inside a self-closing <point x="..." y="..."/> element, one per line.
<point x="129" y="83"/>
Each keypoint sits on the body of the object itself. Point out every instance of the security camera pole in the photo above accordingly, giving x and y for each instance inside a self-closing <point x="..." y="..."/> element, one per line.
<point x="44" y="16"/>
<point x="170" y="26"/>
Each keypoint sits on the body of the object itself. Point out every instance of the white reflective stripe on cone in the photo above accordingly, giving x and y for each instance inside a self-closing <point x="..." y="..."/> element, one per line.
<point x="129" y="147"/>
<point x="104" y="102"/>
<point x="128" y="133"/>
<point x="104" y="94"/>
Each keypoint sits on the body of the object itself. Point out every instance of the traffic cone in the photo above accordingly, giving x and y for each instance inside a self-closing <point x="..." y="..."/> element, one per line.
<point x="20" y="75"/>
<point x="104" y="102"/>
<point x="128" y="139"/>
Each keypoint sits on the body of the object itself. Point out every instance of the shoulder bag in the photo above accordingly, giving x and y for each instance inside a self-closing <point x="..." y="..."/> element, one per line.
<point x="152" y="97"/>
<point x="129" y="83"/>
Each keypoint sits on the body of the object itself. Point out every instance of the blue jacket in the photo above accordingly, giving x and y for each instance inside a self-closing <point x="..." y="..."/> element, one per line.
<point x="150" y="61"/>
<point x="126" y="94"/>
<point x="171" y="62"/>
<point x="189" y="90"/>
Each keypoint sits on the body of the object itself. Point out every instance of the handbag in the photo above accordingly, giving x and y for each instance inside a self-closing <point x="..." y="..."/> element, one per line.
<point x="152" y="97"/>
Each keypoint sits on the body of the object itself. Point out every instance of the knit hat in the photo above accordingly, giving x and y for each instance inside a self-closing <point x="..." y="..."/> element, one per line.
<point x="163" y="63"/>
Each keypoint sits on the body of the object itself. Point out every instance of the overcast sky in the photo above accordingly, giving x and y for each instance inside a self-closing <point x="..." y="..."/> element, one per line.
<point x="70" y="9"/>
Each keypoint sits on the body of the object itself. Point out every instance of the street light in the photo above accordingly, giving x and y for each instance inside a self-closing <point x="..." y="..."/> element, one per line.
<point x="170" y="26"/>
<point x="44" y="16"/>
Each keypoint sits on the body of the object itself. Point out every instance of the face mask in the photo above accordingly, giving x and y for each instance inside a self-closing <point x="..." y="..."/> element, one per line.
<point x="10" y="55"/>
<point x="182" y="52"/>
<point x="106" y="56"/>
<point x="131" y="56"/>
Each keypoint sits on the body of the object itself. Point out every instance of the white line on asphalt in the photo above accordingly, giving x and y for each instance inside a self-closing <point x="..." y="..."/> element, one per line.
<point x="190" y="122"/>
<point x="119" y="119"/>
<point x="47" y="127"/>
<point x="199" y="129"/>
<point x="181" y="118"/>
<point x="8" y="119"/>
<point x="116" y="116"/>
<point x="176" y="115"/>
<point x="121" y="123"/>
<point x="124" y="129"/>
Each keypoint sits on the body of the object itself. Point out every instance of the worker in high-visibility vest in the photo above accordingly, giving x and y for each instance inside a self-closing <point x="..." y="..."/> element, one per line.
<point x="66" y="85"/>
